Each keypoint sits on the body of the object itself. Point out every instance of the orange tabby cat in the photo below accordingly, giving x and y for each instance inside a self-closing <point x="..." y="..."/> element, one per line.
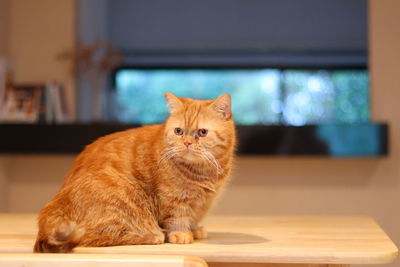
<point x="145" y="185"/>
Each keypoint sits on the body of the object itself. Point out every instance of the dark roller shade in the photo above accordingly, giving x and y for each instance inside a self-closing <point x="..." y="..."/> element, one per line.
<point x="299" y="29"/>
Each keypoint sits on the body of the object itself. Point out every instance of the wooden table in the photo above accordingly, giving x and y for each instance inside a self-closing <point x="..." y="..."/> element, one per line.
<point x="273" y="241"/>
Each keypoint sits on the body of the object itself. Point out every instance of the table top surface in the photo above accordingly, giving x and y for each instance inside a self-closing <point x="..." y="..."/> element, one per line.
<point x="318" y="240"/>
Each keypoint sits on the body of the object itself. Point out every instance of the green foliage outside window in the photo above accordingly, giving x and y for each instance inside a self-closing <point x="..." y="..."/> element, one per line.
<point x="259" y="96"/>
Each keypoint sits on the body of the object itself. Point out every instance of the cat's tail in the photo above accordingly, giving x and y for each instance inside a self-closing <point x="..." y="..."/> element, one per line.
<point x="62" y="239"/>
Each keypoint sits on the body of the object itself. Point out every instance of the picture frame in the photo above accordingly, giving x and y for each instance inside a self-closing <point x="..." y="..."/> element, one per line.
<point x="22" y="103"/>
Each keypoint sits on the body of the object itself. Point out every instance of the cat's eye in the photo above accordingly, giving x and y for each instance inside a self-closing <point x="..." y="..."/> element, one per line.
<point x="178" y="131"/>
<point x="202" y="132"/>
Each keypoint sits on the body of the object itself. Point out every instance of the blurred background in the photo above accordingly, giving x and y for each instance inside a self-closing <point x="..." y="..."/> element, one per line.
<point x="289" y="65"/>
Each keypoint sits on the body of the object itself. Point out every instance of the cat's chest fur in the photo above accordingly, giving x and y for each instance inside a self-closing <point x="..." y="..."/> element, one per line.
<point x="188" y="184"/>
<point x="192" y="190"/>
<point x="199" y="174"/>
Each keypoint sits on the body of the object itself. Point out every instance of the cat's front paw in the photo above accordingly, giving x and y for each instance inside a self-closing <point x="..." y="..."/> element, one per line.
<point x="153" y="238"/>
<point x="199" y="233"/>
<point x="180" y="237"/>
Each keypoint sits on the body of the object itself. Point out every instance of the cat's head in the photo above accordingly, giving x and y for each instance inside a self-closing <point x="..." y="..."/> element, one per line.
<point x="199" y="131"/>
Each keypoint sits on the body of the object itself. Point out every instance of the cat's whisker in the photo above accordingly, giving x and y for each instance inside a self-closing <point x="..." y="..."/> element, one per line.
<point x="201" y="153"/>
<point x="213" y="159"/>
<point x="210" y="158"/>
<point x="211" y="162"/>
<point x="168" y="153"/>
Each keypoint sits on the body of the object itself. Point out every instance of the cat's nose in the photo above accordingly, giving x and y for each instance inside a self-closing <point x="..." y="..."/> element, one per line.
<point x="187" y="144"/>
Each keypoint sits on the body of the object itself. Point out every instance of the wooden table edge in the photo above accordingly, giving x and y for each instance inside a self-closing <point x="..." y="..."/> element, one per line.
<point x="383" y="257"/>
<point x="22" y="258"/>
<point x="353" y="258"/>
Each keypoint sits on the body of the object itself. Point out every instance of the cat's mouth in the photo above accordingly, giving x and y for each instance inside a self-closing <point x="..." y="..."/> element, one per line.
<point x="189" y="153"/>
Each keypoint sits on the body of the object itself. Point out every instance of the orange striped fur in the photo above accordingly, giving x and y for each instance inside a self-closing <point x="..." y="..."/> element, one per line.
<point x="147" y="185"/>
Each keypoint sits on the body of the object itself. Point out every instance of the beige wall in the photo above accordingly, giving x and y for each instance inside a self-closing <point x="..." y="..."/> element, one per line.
<point x="3" y="184"/>
<point x="34" y="180"/>
<point x="270" y="185"/>
<point x="4" y="30"/>
<point x="4" y="27"/>
<point x="39" y="30"/>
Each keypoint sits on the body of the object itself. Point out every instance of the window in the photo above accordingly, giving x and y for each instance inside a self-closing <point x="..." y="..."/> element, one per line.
<point x="259" y="96"/>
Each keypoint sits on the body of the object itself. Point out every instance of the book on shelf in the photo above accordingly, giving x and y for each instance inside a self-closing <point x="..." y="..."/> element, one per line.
<point x="55" y="104"/>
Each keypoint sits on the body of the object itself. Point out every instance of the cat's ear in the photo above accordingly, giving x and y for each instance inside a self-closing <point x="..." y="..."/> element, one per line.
<point x="174" y="103"/>
<point x="222" y="105"/>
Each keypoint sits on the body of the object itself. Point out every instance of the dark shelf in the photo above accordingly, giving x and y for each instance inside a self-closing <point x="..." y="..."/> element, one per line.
<point x="336" y="140"/>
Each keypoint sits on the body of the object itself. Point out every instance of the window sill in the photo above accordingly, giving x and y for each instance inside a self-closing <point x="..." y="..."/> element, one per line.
<point x="333" y="140"/>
